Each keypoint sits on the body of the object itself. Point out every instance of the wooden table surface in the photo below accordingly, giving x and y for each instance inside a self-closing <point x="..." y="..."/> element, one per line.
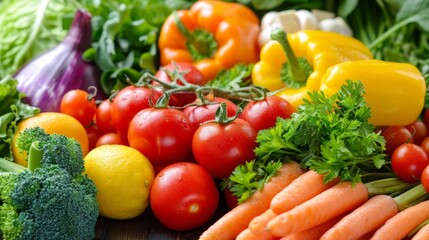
<point x="146" y="226"/>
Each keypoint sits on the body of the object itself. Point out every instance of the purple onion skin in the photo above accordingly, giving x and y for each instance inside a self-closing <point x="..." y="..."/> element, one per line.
<point x="46" y="78"/>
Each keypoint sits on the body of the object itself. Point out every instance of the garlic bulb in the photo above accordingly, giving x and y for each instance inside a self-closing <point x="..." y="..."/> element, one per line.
<point x="294" y="20"/>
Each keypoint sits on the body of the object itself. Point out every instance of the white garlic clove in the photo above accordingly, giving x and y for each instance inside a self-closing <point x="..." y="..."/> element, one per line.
<point x="336" y="25"/>
<point x="307" y="20"/>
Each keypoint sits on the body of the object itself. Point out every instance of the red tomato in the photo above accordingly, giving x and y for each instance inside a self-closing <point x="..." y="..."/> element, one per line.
<point x="192" y="75"/>
<point x="103" y="117"/>
<point x="395" y="136"/>
<point x="110" y="138"/>
<point x="127" y="103"/>
<point x="424" y="178"/>
<point x="230" y="199"/>
<point x="264" y="113"/>
<point x="198" y="114"/>
<point x="183" y="196"/>
<point x="408" y="161"/>
<point x="164" y="136"/>
<point x="425" y="145"/>
<point x="80" y="105"/>
<point x="418" y="130"/>
<point x="93" y="134"/>
<point x="220" y="148"/>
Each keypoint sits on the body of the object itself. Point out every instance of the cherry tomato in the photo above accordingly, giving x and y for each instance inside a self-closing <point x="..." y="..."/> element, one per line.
<point x="408" y="161"/>
<point x="264" y="113"/>
<point x="395" y="136"/>
<point x="93" y="133"/>
<point x="230" y="199"/>
<point x="127" y="103"/>
<point x="80" y="105"/>
<point x="183" y="196"/>
<point x="198" y="114"/>
<point x="418" y="130"/>
<point x="110" y="138"/>
<point x="425" y="145"/>
<point x="103" y="117"/>
<point x="192" y="75"/>
<point x="424" y="178"/>
<point x="220" y="148"/>
<point x="164" y="136"/>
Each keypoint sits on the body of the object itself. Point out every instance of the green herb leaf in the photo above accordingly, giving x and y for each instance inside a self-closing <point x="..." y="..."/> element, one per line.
<point x="329" y="134"/>
<point x="11" y="111"/>
<point x="233" y="78"/>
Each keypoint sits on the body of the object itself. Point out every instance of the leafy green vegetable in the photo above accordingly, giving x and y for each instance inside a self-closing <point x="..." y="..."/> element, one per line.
<point x="330" y="135"/>
<point x="125" y="38"/>
<point x="249" y="177"/>
<point x="12" y="110"/>
<point x="30" y="27"/>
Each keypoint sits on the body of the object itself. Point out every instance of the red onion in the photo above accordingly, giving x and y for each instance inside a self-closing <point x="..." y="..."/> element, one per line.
<point x="47" y="77"/>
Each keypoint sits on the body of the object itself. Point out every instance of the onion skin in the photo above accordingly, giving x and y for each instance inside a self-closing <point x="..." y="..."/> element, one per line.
<point x="46" y="78"/>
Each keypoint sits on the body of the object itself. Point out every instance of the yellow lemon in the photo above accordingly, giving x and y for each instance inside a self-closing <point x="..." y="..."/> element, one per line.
<point x="123" y="177"/>
<point x="51" y="122"/>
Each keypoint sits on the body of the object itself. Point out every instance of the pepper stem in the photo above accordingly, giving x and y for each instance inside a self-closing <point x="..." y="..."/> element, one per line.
<point x="200" y="43"/>
<point x="297" y="72"/>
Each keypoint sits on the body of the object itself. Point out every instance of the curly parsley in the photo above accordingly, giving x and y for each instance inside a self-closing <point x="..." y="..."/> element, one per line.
<point x="329" y="134"/>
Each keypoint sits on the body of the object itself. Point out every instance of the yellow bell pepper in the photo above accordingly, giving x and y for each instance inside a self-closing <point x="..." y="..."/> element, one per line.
<point x="394" y="91"/>
<point x="321" y="49"/>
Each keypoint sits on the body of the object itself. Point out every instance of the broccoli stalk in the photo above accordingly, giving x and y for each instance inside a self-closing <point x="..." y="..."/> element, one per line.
<point x="51" y="199"/>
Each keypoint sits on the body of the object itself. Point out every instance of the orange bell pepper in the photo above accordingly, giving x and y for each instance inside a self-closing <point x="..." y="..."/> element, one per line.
<point x="213" y="35"/>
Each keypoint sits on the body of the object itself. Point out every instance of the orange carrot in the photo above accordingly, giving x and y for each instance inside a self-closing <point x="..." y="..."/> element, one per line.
<point x="259" y="223"/>
<point x="238" y="219"/>
<point x="404" y="222"/>
<point x="331" y="203"/>
<point x="313" y="233"/>
<point x="365" y="219"/>
<point x="300" y="190"/>
<point x="422" y="234"/>
<point x="247" y="234"/>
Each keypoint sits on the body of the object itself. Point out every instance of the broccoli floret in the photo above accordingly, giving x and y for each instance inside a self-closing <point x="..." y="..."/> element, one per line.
<point x="52" y="201"/>
<point x="57" y="149"/>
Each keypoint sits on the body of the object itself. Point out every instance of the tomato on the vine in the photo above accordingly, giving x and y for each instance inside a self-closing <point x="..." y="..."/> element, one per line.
<point x="127" y="103"/>
<point x="190" y="73"/>
<point x="408" y="161"/>
<point x="163" y="135"/>
<point x="198" y="114"/>
<point x="103" y="116"/>
<point x="183" y="196"/>
<point x="220" y="147"/>
<point x="396" y="136"/>
<point x="424" y="178"/>
<point x="80" y="105"/>
<point x="262" y="114"/>
<point x="418" y="130"/>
